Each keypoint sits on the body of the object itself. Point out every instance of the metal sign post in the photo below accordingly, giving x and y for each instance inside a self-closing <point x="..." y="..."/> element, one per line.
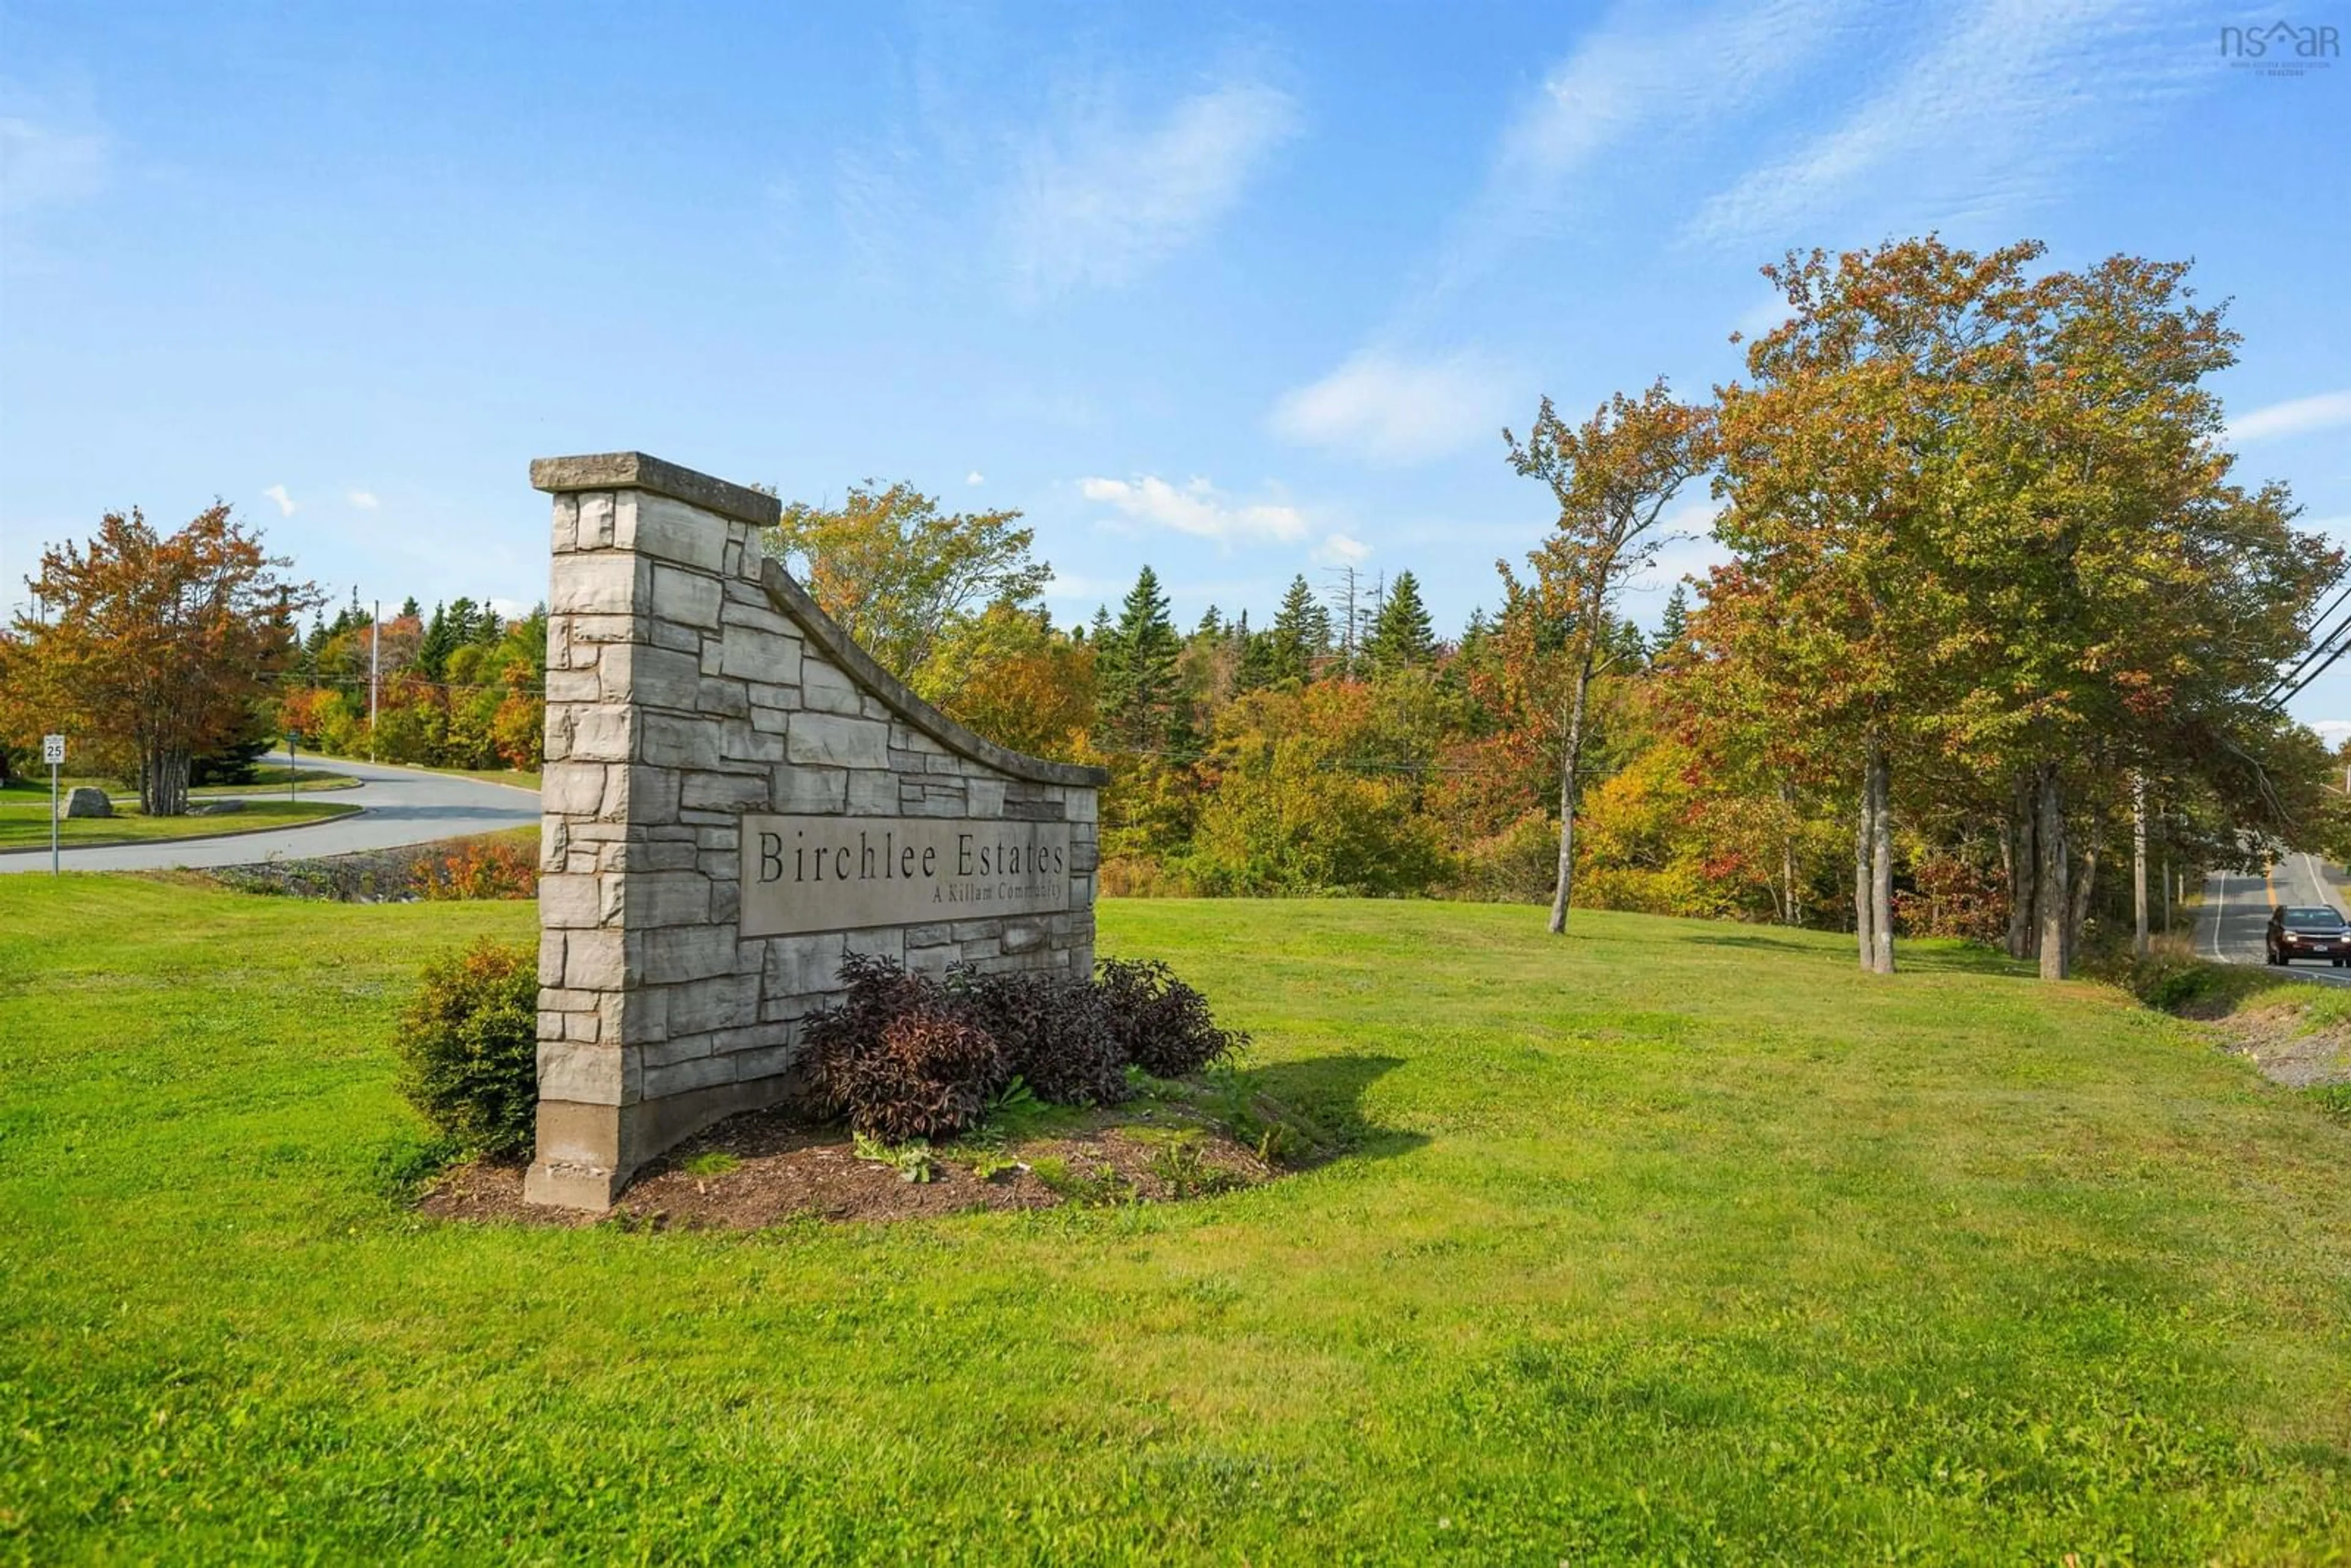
<point x="53" y="752"/>
<point x="293" y="761"/>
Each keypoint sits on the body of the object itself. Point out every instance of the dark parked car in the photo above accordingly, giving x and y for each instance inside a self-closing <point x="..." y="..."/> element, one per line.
<point x="2307" y="932"/>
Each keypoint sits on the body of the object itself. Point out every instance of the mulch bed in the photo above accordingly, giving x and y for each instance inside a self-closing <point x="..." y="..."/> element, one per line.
<point x="788" y="1168"/>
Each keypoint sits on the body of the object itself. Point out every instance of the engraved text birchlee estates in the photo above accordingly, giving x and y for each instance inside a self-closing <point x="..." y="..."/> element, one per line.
<point x="830" y="873"/>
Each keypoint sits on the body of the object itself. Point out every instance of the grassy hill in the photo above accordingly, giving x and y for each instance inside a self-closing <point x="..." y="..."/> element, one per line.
<point x="1667" y="1242"/>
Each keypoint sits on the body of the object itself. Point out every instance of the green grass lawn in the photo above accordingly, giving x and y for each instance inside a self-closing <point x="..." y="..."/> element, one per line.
<point x="1669" y="1242"/>
<point x="520" y="777"/>
<point x="24" y="820"/>
<point x="305" y="778"/>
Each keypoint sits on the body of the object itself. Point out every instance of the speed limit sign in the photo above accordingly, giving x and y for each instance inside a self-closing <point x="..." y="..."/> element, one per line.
<point x="53" y="749"/>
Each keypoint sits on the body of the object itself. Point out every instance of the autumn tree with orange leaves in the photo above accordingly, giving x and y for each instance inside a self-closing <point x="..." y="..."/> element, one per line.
<point x="156" y="647"/>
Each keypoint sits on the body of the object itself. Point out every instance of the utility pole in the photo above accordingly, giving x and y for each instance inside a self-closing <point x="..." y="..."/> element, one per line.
<point x="375" y="672"/>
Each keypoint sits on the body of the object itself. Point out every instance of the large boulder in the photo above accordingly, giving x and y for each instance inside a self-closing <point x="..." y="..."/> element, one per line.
<point x="85" y="801"/>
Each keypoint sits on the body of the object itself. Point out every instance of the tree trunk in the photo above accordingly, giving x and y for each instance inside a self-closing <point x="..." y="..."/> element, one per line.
<point x="162" y="781"/>
<point x="1569" y="757"/>
<point x="1881" y="854"/>
<point x="2049" y="830"/>
<point x="2017" y="854"/>
<point x="2079" y="915"/>
<point x="1863" y="887"/>
<point x="2138" y="864"/>
<point x="163" y="784"/>
<point x="1791" y="906"/>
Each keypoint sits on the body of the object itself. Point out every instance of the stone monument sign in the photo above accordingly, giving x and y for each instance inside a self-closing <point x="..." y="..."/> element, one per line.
<point x="736" y="797"/>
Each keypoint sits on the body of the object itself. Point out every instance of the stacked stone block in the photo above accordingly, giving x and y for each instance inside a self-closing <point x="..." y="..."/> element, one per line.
<point x="690" y="679"/>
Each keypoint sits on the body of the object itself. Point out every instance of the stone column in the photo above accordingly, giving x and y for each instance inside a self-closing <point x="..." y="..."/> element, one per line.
<point x="633" y="894"/>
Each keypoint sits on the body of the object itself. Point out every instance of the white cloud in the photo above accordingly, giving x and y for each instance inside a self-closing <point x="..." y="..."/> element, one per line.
<point x="2296" y="416"/>
<point x="286" y="508"/>
<point x="1632" y="82"/>
<point x="2333" y="731"/>
<point x="1391" y="410"/>
<point x="1073" y="586"/>
<point x="364" y="500"/>
<point x="1988" y="118"/>
<point x="510" y="609"/>
<point x="1098" y="202"/>
<point x="1198" y="508"/>
<point x="1339" y="550"/>
<point x="975" y="477"/>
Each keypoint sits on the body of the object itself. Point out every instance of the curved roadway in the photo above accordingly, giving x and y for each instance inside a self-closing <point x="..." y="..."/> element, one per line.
<point x="398" y="806"/>
<point x="2236" y="911"/>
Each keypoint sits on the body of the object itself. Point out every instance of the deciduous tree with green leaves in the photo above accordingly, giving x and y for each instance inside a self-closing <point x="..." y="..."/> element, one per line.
<point x="895" y="572"/>
<point x="1612" y="476"/>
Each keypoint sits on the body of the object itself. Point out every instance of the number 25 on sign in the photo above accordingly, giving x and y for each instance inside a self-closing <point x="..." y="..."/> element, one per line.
<point x="53" y="752"/>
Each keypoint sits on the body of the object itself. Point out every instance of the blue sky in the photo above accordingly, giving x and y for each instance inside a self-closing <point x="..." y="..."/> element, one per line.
<point x="1241" y="291"/>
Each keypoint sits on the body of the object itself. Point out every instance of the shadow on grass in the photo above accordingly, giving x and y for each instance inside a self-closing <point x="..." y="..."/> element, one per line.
<point x="1322" y="1100"/>
<point x="1955" y="958"/>
<point x="1768" y="944"/>
<point x="1962" y="958"/>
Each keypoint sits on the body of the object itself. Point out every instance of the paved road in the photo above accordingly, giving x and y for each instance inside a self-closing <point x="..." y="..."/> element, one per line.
<point x="2236" y="911"/>
<point x="398" y="806"/>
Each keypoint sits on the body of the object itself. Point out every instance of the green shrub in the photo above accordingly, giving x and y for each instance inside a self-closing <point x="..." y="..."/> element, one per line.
<point x="469" y="1047"/>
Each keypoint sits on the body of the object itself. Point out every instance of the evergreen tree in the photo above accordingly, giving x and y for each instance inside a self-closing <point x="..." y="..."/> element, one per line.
<point x="1134" y="666"/>
<point x="1299" y="639"/>
<point x="1401" y="637"/>
<point x="432" y="651"/>
<point x="1673" y="625"/>
<point x="408" y="608"/>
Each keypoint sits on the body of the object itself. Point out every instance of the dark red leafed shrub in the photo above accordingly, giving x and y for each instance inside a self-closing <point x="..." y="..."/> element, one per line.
<point x="468" y="1047"/>
<point x="1161" y="1024"/>
<point x="881" y="1059"/>
<point x="906" y="1055"/>
<point x="1055" y="1031"/>
<point x="929" y="1076"/>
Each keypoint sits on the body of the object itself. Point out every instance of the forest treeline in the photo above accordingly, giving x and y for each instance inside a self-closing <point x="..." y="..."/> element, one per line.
<point x="2001" y="646"/>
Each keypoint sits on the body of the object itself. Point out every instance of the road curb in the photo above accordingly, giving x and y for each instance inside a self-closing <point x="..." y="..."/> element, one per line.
<point x="343" y="815"/>
<point x="431" y="773"/>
